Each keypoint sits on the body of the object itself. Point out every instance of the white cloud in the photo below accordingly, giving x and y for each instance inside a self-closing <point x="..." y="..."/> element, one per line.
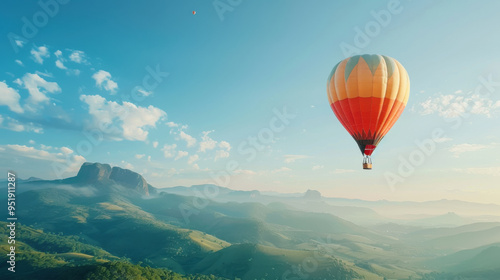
<point x="169" y="150"/>
<point x="15" y="125"/>
<point x="282" y="169"/>
<point x="122" y="121"/>
<point x="443" y="139"/>
<point x="44" y="147"/>
<point x="190" y="140"/>
<point x="172" y="171"/>
<point x="225" y="145"/>
<point x="181" y="154"/>
<point x="103" y="80"/>
<point x="19" y="62"/>
<point x="491" y="171"/>
<point x="459" y="149"/>
<point x="10" y="98"/>
<point x="293" y="158"/>
<point x="192" y="159"/>
<point x="60" y="65"/>
<point x="45" y="74"/>
<point x="66" y="150"/>
<point x="454" y="105"/>
<point x="126" y="165"/>
<point x="155" y="144"/>
<point x="172" y="124"/>
<point x="38" y="87"/>
<point x="20" y="43"/>
<point x="58" y="53"/>
<point x="77" y="56"/>
<point x="31" y="141"/>
<point x="207" y="143"/>
<point x="63" y="162"/>
<point x="245" y="172"/>
<point x="318" y="167"/>
<point x="18" y="82"/>
<point x="458" y="91"/>
<point x="224" y="153"/>
<point x="40" y="53"/>
<point x="221" y="154"/>
<point x="143" y="91"/>
<point x="342" y="171"/>
<point x="138" y="156"/>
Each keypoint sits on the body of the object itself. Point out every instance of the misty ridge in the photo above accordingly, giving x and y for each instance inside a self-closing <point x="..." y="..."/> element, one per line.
<point x="108" y="220"/>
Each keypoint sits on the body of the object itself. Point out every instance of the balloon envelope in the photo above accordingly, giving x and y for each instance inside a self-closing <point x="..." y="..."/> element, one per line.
<point x="367" y="94"/>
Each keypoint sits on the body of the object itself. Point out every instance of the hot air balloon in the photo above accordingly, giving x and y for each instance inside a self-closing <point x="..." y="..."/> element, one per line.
<point x="194" y="12"/>
<point x="367" y="94"/>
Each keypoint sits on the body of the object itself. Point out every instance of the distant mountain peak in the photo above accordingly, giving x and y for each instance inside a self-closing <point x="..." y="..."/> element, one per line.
<point x="312" y="194"/>
<point x="93" y="172"/>
<point x="129" y="179"/>
<point x="33" y="179"/>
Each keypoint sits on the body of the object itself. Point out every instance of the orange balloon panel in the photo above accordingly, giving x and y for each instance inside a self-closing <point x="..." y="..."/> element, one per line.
<point x="368" y="93"/>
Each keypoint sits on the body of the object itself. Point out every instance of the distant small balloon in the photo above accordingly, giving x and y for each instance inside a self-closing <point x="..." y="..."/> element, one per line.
<point x="194" y="12"/>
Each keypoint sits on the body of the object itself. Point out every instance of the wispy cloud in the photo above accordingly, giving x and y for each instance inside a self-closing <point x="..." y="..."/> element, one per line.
<point x="70" y="161"/>
<point x="443" y="139"/>
<point x="459" y="149"/>
<point x="144" y="92"/>
<point x="490" y="171"/>
<point x="342" y="171"/>
<point x="293" y="158"/>
<point x="15" y="125"/>
<point x="244" y="172"/>
<point x="318" y="167"/>
<point x="282" y="169"/>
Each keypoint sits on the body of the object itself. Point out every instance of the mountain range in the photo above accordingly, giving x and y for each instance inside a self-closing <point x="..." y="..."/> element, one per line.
<point x="110" y="219"/>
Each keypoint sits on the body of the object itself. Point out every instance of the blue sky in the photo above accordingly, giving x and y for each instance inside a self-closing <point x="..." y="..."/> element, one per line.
<point x="179" y="97"/>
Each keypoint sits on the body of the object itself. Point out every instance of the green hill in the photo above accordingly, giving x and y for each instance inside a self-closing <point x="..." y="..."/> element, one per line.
<point x="250" y="261"/>
<point x="466" y="240"/>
